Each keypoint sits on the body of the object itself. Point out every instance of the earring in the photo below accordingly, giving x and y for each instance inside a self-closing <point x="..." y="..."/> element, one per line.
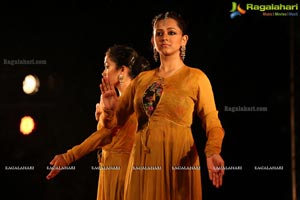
<point x="155" y="54"/>
<point x="121" y="78"/>
<point x="182" y="52"/>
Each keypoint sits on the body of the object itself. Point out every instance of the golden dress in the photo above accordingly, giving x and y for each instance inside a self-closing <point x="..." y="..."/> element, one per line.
<point x="164" y="162"/>
<point x="113" y="159"/>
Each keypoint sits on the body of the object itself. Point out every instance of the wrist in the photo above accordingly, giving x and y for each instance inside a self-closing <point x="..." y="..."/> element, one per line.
<point x="114" y="131"/>
<point x="211" y="155"/>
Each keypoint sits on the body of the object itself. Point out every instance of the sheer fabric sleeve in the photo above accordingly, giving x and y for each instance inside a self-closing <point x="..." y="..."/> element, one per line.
<point x="95" y="141"/>
<point x="208" y="113"/>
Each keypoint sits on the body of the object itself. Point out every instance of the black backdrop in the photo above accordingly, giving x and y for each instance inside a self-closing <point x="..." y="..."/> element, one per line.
<point x="248" y="60"/>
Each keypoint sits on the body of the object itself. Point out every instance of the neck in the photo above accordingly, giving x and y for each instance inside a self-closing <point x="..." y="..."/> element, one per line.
<point x="168" y="70"/>
<point x="122" y="88"/>
<point x="168" y="65"/>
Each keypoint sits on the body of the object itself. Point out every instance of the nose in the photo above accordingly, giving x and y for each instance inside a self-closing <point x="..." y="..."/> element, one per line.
<point x="105" y="71"/>
<point x="164" y="36"/>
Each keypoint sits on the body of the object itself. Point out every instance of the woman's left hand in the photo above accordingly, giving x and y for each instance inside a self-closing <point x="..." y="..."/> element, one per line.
<point x="216" y="171"/>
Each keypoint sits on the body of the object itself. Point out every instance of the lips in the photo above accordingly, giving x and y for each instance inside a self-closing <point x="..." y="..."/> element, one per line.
<point x="164" y="45"/>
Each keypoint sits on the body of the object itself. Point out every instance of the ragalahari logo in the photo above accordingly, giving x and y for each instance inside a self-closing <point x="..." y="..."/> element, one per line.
<point x="236" y="10"/>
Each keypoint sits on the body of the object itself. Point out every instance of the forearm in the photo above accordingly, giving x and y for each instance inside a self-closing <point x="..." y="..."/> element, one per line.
<point x="214" y="133"/>
<point x="108" y="119"/>
<point x="92" y="143"/>
<point x="214" y="141"/>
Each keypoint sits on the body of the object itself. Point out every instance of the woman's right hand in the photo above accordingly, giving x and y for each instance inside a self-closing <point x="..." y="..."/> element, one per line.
<point x="109" y="95"/>
<point x="57" y="163"/>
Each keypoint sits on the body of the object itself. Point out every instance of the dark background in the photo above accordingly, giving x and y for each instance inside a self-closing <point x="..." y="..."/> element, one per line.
<point x="248" y="60"/>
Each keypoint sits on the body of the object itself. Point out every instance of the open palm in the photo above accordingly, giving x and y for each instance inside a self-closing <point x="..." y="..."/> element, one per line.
<point x="109" y="95"/>
<point x="215" y="166"/>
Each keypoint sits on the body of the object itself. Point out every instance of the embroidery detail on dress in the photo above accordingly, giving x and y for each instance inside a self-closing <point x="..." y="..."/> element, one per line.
<point x="151" y="97"/>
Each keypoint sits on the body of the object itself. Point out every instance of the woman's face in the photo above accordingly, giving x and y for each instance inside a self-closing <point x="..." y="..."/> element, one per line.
<point x="110" y="70"/>
<point x="168" y="37"/>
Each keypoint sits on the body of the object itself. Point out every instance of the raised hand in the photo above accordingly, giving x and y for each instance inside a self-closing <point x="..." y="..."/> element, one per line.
<point x="109" y="95"/>
<point x="216" y="171"/>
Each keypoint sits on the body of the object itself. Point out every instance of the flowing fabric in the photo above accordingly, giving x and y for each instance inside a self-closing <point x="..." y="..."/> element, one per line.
<point x="113" y="160"/>
<point x="164" y="162"/>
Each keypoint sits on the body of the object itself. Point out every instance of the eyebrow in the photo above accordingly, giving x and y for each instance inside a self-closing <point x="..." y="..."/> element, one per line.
<point x="169" y="28"/>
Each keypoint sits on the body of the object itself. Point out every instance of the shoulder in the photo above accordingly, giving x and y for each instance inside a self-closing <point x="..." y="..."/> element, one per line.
<point x="147" y="73"/>
<point x="198" y="77"/>
<point x="141" y="79"/>
<point x="196" y="72"/>
<point x="144" y="75"/>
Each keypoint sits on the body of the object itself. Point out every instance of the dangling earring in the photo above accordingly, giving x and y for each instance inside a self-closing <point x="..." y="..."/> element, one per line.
<point x="121" y="79"/>
<point x="155" y="54"/>
<point x="182" y="52"/>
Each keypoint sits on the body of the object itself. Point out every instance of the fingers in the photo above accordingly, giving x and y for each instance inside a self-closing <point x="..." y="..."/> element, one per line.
<point x="221" y="181"/>
<point x="216" y="170"/>
<point x="56" y="163"/>
<point x="52" y="173"/>
<point x="216" y="177"/>
<point x="105" y="85"/>
<point x="53" y="160"/>
<point x="102" y="88"/>
<point x="97" y="112"/>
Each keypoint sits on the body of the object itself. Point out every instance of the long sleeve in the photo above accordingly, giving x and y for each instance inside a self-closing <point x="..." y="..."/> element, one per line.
<point x="208" y="113"/>
<point x="107" y="119"/>
<point x="95" y="141"/>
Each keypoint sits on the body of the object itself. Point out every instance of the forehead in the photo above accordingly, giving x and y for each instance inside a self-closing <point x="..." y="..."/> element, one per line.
<point x="107" y="59"/>
<point x="109" y="62"/>
<point x="168" y="23"/>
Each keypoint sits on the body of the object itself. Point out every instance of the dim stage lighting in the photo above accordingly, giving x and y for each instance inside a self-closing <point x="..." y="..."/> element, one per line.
<point x="27" y="125"/>
<point x="31" y="84"/>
